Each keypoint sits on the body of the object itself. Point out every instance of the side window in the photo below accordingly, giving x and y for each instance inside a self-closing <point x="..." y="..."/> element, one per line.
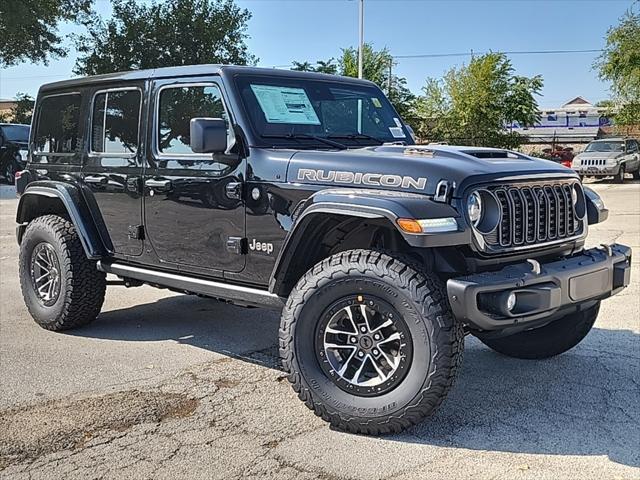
<point x="115" y="122"/>
<point x="58" y="124"/>
<point x="632" y="146"/>
<point x="177" y="106"/>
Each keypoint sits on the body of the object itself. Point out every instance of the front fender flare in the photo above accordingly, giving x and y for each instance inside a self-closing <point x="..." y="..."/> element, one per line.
<point x="369" y="204"/>
<point x="71" y="199"/>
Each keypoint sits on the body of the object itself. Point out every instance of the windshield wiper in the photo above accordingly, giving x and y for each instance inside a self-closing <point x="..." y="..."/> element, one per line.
<point x="356" y="136"/>
<point x="297" y="136"/>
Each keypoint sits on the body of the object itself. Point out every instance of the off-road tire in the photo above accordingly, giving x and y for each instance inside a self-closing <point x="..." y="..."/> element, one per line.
<point x="437" y="341"/>
<point x="553" y="339"/>
<point x="619" y="178"/>
<point x="636" y="174"/>
<point x="82" y="286"/>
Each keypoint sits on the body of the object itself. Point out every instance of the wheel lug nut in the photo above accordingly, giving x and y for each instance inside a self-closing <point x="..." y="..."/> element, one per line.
<point x="354" y="339"/>
<point x="375" y="352"/>
<point x="363" y="329"/>
<point x="376" y="337"/>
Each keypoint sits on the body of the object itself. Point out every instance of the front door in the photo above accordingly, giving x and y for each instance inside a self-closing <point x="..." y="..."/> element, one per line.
<point x="194" y="214"/>
<point x="112" y="170"/>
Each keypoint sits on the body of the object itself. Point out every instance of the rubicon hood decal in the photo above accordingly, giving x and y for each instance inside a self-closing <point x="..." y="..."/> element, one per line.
<point x="360" y="178"/>
<point x="414" y="169"/>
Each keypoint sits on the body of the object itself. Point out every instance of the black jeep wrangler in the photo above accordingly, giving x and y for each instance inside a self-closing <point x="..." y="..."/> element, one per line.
<point x="305" y="193"/>
<point x="13" y="149"/>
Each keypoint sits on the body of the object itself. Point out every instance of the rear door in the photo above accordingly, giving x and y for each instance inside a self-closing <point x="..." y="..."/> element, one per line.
<point x="112" y="170"/>
<point x="194" y="213"/>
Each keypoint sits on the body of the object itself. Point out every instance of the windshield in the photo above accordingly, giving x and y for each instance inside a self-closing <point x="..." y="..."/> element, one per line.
<point x="605" y="147"/>
<point x="16" y="133"/>
<point x="299" y="112"/>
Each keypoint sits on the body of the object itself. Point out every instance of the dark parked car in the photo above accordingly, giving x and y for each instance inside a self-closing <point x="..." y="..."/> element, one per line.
<point x="305" y="193"/>
<point x="14" y="139"/>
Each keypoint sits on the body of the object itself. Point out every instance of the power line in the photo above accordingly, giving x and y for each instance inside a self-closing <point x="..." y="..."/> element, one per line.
<point x="413" y="56"/>
<point x="513" y="52"/>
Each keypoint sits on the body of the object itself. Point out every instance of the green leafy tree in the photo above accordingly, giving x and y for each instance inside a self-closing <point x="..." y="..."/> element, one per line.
<point x="21" y="112"/>
<point x="174" y="32"/>
<point x="620" y="64"/>
<point x="29" y="28"/>
<point x="321" y="66"/>
<point x="473" y="104"/>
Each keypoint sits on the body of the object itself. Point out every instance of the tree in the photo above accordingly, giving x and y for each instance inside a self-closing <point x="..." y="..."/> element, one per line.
<point x="174" y="32"/>
<point x="321" y="66"/>
<point x="619" y="63"/>
<point x="21" y="112"/>
<point x="473" y="104"/>
<point x="29" y="28"/>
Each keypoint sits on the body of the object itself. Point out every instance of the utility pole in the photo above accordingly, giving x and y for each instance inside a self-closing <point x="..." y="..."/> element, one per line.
<point x="361" y="37"/>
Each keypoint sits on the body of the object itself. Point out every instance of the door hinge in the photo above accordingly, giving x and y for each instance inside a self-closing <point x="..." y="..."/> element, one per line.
<point x="136" y="232"/>
<point x="237" y="245"/>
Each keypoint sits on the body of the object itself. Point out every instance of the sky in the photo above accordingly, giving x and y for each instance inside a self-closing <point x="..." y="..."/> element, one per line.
<point x="282" y="31"/>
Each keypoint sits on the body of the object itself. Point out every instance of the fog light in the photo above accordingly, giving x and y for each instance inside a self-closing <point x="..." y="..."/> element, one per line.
<point x="511" y="301"/>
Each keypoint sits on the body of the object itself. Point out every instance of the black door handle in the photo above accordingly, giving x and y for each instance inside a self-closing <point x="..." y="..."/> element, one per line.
<point x="96" y="179"/>
<point x="159" y="183"/>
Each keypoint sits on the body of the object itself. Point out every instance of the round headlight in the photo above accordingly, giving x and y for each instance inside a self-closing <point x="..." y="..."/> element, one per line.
<point x="474" y="208"/>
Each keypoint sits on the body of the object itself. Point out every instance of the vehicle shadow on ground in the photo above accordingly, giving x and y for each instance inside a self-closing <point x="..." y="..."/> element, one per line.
<point x="585" y="402"/>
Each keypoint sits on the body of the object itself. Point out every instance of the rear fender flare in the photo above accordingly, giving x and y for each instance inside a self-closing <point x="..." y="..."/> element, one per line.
<point x="35" y="197"/>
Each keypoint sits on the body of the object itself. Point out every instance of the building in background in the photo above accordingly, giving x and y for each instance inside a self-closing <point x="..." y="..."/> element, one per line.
<point x="573" y="125"/>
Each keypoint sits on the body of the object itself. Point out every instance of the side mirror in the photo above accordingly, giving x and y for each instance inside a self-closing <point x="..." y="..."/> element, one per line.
<point x="208" y="135"/>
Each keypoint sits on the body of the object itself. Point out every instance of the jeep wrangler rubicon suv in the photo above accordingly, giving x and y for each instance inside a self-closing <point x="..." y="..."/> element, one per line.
<point x="305" y="193"/>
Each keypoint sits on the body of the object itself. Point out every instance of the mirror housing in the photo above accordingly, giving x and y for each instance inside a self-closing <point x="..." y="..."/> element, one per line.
<point x="208" y="135"/>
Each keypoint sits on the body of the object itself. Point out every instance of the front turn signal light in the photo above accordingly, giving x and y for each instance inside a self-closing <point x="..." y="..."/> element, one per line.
<point x="409" y="225"/>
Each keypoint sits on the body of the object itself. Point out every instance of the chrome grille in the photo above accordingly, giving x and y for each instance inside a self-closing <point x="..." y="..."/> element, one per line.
<point x="533" y="214"/>
<point x="590" y="162"/>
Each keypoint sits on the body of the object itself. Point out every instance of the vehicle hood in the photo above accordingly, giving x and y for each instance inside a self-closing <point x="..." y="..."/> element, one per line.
<point x="18" y="145"/>
<point x="594" y="155"/>
<point x="388" y="167"/>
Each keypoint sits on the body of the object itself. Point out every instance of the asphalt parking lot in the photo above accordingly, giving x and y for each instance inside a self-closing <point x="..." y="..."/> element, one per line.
<point x="174" y="386"/>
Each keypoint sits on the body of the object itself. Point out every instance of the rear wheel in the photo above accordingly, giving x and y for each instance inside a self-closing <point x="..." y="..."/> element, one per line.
<point x="61" y="287"/>
<point x="369" y="342"/>
<point x="548" y="341"/>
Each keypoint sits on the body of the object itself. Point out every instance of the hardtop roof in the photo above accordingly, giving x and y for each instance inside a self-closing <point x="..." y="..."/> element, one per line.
<point x="189" y="71"/>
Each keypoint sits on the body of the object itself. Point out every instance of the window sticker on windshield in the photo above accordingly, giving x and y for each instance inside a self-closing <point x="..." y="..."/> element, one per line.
<point x="285" y="105"/>
<point x="398" y="122"/>
<point x="397" y="132"/>
<point x="376" y="102"/>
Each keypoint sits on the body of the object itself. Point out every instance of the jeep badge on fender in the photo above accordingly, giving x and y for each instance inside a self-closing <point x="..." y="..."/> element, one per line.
<point x="382" y="254"/>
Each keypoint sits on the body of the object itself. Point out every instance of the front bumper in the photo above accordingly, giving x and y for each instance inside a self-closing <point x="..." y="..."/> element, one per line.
<point x="598" y="170"/>
<point x="479" y="300"/>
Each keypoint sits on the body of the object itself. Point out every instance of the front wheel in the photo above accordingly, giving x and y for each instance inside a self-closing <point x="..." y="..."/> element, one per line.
<point x="553" y="339"/>
<point x="369" y="342"/>
<point x="619" y="178"/>
<point x="10" y="170"/>
<point x="61" y="287"/>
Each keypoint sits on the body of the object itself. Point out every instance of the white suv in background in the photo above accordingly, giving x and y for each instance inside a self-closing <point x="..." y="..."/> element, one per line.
<point x="609" y="157"/>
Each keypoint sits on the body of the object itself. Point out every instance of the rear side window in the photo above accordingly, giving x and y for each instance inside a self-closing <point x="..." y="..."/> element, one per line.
<point x="58" y="124"/>
<point x="115" y="122"/>
<point x="177" y="106"/>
